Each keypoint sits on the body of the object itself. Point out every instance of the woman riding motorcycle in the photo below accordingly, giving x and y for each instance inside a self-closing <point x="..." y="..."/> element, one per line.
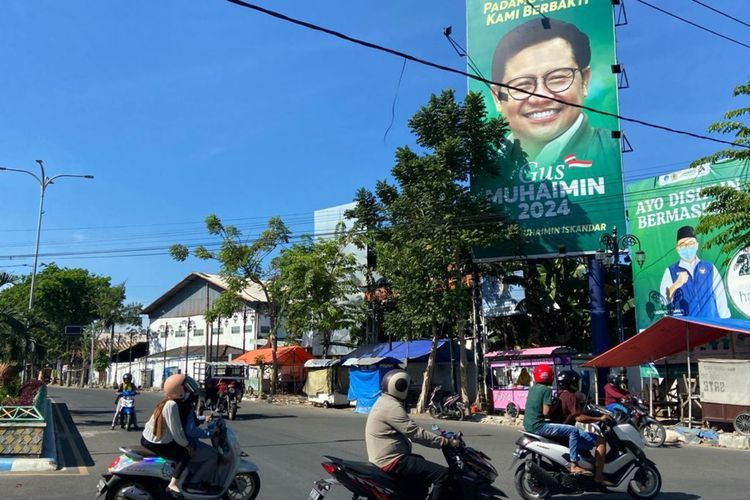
<point x="126" y="385"/>
<point x="164" y="433"/>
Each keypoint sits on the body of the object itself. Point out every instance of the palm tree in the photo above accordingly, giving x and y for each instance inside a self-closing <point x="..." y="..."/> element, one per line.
<point x="12" y="326"/>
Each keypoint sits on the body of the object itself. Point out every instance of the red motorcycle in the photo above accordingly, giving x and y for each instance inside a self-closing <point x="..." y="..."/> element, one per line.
<point x="446" y="406"/>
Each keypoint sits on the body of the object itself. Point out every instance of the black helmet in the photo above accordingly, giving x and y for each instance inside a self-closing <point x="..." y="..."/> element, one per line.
<point x="395" y="383"/>
<point x="127" y="378"/>
<point x="568" y="379"/>
<point x="191" y="386"/>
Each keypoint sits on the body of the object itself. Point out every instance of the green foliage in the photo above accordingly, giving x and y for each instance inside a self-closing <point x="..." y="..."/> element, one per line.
<point x="425" y="225"/>
<point x="101" y="359"/>
<point x="730" y="209"/>
<point x="62" y="297"/>
<point x="734" y="124"/>
<point x="316" y="280"/>
<point x="243" y="262"/>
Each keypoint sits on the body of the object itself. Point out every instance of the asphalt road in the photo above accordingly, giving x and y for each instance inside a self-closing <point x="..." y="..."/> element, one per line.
<point x="287" y="443"/>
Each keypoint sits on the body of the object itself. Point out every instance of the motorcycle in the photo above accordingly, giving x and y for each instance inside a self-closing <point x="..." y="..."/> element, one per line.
<point x="138" y="473"/>
<point x="448" y="407"/>
<point x="125" y="411"/>
<point x="652" y="431"/>
<point x="543" y="471"/>
<point x="471" y="471"/>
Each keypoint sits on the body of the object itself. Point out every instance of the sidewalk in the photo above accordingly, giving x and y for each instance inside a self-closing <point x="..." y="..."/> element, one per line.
<point x="47" y="462"/>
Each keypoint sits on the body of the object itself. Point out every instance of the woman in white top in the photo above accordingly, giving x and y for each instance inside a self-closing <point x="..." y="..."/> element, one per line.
<point x="164" y="433"/>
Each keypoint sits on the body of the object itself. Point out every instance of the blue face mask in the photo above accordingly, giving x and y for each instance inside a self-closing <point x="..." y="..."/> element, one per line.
<point x="687" y="253"/>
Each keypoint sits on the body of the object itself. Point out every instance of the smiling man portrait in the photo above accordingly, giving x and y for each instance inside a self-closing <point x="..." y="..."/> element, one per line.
<point x="549" y="60"/>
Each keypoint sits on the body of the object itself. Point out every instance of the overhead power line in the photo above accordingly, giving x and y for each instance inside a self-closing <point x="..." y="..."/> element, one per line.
<point x="721" y="13"/>
<point x="449" y="69"/>
<point x="691" y="23"/>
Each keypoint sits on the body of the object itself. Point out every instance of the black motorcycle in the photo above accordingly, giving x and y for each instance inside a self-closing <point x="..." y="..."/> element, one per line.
<point x="450" y="406"/>
<point x="470" y="469"/>
<point x="652" y="431"/>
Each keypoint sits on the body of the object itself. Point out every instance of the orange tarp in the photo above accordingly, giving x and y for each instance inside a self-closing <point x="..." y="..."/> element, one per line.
<point x="285" y="356"/>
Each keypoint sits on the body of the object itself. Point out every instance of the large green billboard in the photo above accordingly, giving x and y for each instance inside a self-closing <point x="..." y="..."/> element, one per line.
<point x="560" y="175"/>
<point x="681" y="276"/>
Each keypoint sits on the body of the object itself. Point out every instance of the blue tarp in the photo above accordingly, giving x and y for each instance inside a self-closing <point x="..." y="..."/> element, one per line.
<point x="364" y="386"/>
<point x="415" y="350"/>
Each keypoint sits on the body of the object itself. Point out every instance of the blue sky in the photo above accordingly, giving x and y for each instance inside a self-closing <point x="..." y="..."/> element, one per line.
<point x="185" y="108"/>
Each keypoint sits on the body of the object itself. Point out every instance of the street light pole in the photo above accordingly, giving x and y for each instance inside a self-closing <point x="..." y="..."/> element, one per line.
<point x="165" y="327"/>
<point x="44" y="182"/>
<point x="610" y="254"/>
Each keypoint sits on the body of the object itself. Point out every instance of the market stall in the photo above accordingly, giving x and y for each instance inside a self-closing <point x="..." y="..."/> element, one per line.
<point x="365" y="375"/>
<point x="510" y="374"/>
<point x="669" y="335"/>
<point x="725" y="392"/>
<point x="327" y="382"/>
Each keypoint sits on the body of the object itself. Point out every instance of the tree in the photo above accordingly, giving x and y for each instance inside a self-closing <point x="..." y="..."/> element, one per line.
<point x="730" y="208"/>
<point x="63" y="297"/>
<point x="316" y="279"/>
<point x="243" y="262"/>
<point x="12" y="325"/>
<point x="428" y="221"/>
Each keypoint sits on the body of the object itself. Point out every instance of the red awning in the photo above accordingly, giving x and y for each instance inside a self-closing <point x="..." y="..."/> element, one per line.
<point x="285" y="356"/>
<point x="670" y="335"/>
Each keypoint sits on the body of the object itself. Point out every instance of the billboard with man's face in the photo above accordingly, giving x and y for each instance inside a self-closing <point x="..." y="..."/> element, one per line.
<point x="681" y="276"/>
<point x="560" y="173"/>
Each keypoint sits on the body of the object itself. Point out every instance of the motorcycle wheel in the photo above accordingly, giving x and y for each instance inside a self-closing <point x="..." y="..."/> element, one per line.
<point x="527" y="487"/>
<point x="646" y="483"/>
<point x="512" y="410"/>
<point x="232" y="411"/>
<point x="742" y="423"/>
<point x="244" y="487"/>
<point x="653" y="434"/>
<point x="434" y="413"/>
<point x="155" y="491"/>
<point x="460" y="412"/>
<point x="129" y="426"/>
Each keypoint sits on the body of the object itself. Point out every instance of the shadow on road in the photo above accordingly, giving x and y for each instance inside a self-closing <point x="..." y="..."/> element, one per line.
<point x="71" y="449"/>
<point x="666" y="495"/>
<point x="260" y="416"/>
<point x="304" y="443"/>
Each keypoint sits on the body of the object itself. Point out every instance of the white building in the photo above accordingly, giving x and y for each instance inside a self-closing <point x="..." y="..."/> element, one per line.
<point x="179" y="336"/>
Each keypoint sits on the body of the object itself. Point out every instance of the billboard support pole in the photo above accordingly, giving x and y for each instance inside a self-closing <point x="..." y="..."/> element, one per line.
<point x="599" y="337"/>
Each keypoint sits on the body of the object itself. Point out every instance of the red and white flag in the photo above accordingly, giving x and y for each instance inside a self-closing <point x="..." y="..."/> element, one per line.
<point x="572" y="162"/>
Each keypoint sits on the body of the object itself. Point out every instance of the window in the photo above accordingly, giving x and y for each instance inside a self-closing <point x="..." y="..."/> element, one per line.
<point x="249" y="328"/>
<point x="265" y="331"/>
<point x="235" y="329"/>
<point x="220" y="331"/>
<point x="179" y="333"/>
<point x="197" y="332"/>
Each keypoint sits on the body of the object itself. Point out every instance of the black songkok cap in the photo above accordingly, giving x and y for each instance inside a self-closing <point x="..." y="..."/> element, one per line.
<point x="685" y="232"/>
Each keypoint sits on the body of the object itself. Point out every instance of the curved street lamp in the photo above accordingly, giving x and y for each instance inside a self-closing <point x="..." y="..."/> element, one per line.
<point x="44" y="183"/>
<point x="610" y="255"/>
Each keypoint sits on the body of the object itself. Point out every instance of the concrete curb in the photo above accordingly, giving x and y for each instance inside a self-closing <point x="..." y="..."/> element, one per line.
<point x="47" y="462"/>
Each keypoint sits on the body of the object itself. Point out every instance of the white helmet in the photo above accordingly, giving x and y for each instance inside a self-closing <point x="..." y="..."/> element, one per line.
<point x="395" y="383"/>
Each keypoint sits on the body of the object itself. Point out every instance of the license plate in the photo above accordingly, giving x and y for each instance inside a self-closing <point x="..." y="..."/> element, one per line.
<point x="100" y="486"/>
<point x="316" y="495"/>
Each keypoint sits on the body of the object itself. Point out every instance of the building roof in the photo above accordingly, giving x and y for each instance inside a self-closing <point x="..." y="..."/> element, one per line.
<point x="223" y="351"/>
<point x="252" y="293"/>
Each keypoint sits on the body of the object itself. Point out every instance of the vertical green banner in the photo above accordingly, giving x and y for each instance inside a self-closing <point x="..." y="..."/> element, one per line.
<point x="681" y="277"/>
<point x="561" y="173"/>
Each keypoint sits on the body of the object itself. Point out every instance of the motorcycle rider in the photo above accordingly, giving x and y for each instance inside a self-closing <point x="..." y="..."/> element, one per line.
<point x="164" y="433"/>
<point x="571" y="412"/>
<point x="616" y="392"/>
<point x="204" y="457"/>
<point x="539" y="408"/>
<point x="389" y="434"/>
<point x="126" y="385"/>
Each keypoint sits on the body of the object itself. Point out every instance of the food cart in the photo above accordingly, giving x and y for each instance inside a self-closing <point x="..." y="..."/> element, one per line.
<point x="511" y="374"/>
<point x="327" y="382"/>
<point x="725" y="392"/>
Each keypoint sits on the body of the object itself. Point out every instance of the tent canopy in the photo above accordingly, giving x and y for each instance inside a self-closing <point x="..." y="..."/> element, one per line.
<point x="293" y="355"/>
<point x="414" y="350"/>
<point x="670" y="335"/>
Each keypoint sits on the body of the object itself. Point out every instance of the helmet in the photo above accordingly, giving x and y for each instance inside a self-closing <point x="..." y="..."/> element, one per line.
<point x="180" y="387"/>
<point x="568" y="379"/>
<point x="543" y="374"/>
<point x="127" y="378"/>
<point x="395" y="383"/>
<point x="612" y="378"/>
<point x="622" y="381"/>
